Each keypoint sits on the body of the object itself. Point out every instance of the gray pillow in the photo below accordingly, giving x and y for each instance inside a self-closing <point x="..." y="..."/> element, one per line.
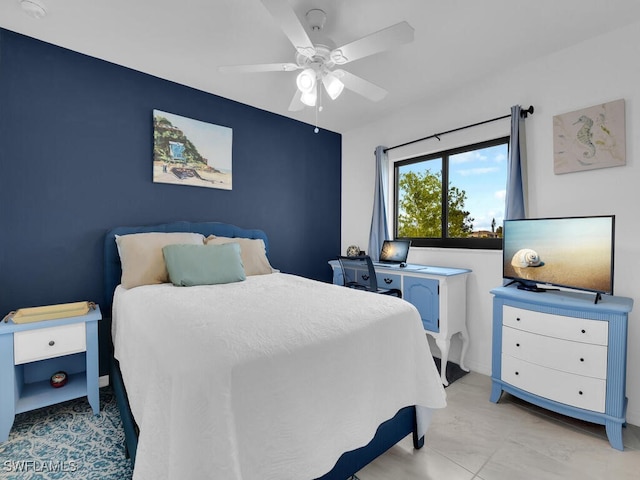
<point x="190" y="265"/>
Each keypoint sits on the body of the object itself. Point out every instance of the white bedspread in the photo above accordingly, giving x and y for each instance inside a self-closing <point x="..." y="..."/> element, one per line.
<point x="271" y="378"/>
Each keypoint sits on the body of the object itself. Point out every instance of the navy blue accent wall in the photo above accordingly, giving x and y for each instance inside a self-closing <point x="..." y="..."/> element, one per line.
<point x="76" y="141"/>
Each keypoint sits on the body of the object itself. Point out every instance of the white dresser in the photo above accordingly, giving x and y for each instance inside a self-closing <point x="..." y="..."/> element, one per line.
<point x="562" y="352"/>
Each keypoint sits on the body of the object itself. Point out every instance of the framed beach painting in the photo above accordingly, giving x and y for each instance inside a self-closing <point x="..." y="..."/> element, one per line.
<point x="191" y="152"/>
<point x="590" y="138"/>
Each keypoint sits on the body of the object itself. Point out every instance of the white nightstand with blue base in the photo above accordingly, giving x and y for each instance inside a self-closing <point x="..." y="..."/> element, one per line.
<point x="31" y="353"/>
<point x="561" y="351"/>
<point x="438" y="293"/>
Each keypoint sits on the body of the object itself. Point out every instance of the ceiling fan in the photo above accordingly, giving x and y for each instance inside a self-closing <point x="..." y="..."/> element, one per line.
<point x="318" y="59"/>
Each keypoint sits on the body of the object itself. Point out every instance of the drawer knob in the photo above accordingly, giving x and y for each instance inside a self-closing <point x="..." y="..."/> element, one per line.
<point x="582" y="359"/>
<point x="365" y="277"/>
<point x="51" y="343"/>
<point x="517" y="319"/>
<point x="517" y="373"/>
<point x="580" y="392"/>
<point x="584" y="331"/>
<point x="517" y="344"/>
<point x="387" y="281"/>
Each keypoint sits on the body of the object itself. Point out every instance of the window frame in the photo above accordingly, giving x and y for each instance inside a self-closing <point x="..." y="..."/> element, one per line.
<point x="444" y="241"/>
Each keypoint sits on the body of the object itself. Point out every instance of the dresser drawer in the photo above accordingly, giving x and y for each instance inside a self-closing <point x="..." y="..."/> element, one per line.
<point x="32" y="345"/>
<point x="568" y="328"/>
<point x="572" y="357"/>
<point x="577" y="390"/>
<point x="386" y="280"/>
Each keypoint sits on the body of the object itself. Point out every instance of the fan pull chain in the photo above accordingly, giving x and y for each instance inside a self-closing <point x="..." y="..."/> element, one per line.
<point x="316" y="130"/>
<point x="318" y="106"/>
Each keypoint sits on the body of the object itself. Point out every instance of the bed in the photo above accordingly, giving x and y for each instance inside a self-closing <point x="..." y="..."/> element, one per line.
<point x="273" y="376"/>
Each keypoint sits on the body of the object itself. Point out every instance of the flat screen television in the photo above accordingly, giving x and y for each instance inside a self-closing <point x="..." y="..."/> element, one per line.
<point x="571" y="252"/>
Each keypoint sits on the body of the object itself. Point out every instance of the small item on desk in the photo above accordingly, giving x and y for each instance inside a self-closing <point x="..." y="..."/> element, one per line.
<point x="59" y="379"/>
<point x="353" y="251"/>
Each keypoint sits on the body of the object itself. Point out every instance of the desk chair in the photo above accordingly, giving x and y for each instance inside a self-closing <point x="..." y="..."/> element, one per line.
<point x="358" y="273"/>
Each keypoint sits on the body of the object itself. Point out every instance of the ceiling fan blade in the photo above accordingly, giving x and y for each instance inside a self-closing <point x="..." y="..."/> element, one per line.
<point x="361" y="86"/>
<point x="386" y="39"/>
<point x="296" y="102"/>
<point x="282" y="12"/>
<point x="258" y="68"/>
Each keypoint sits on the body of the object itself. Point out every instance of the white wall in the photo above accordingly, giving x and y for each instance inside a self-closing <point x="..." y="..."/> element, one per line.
<point x="597" y="71"/>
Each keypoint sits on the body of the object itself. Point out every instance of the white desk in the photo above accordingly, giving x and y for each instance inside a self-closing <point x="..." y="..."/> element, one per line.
<point x="439" y="294"/>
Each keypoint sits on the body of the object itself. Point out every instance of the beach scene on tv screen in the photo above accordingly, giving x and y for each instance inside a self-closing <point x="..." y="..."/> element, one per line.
<point x="571" y="252"/>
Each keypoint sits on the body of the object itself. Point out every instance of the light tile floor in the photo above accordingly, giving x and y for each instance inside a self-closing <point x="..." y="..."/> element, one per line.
<point x="475" y="439"/>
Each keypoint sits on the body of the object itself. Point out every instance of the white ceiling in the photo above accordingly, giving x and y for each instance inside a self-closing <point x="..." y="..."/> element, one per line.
<point x="456" y="42"/>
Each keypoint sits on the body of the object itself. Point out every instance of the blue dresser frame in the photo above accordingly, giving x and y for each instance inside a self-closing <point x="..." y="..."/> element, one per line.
<point x="611" y="309"/>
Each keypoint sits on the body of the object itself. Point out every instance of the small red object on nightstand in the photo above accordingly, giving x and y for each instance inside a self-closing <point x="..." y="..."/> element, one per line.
<point x="58" y="379"/>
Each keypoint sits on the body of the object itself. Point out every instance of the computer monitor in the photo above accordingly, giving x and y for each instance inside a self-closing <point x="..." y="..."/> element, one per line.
<point x="394" y="251"/>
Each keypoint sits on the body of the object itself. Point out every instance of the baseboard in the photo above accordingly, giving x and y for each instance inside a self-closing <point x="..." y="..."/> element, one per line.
<point x="478" y="367"/>
<point x="103" y="381"/>
<point x="633" y="417"/>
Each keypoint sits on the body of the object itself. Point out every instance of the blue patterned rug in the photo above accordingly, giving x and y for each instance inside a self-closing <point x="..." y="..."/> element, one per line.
<point x="67" y="441"/>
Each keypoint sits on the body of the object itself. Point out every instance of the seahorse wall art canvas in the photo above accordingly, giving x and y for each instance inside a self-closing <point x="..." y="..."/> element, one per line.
<point x="590" y="138"/>
<point x="191" y="152"/>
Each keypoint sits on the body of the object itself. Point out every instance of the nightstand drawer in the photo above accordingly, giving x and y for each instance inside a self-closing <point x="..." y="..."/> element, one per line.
<point x="33" y="345"/>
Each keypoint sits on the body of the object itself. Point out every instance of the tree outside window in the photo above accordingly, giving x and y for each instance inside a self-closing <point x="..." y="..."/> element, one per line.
<point x="469" y="212"/>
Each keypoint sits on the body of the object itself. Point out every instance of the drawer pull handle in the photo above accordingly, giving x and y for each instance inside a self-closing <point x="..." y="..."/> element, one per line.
<point x="517" y="319"/>
<point x="517" y="344"/>
<point x="51" y="343"/>
<point x="387" y="281"/>
<point x="580" y="392"/>
<point x="517" y="373"/>
<point x="365" y="277"/>
<point x="582" y="359"/>
<point x="584" y="331"/>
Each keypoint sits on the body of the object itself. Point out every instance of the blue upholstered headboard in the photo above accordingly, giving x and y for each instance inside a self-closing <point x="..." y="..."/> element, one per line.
<point x="112" y="268"/>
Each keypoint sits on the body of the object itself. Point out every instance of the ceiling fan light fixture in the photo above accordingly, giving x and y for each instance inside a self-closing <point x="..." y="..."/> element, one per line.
<point x="317" y="56"/>
<point x="332" y="85"/>
<point x="309" y="98"/>
<point x="306" y="80"/>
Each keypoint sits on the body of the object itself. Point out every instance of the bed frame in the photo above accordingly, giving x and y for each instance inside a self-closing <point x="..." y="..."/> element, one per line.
<point x="388" y="434"/>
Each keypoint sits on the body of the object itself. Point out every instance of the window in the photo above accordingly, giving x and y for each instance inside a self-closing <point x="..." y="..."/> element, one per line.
<point x="466" y="214"/>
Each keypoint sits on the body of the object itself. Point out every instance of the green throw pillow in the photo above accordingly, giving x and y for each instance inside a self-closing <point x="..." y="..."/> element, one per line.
<point x="190" y="265"/>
